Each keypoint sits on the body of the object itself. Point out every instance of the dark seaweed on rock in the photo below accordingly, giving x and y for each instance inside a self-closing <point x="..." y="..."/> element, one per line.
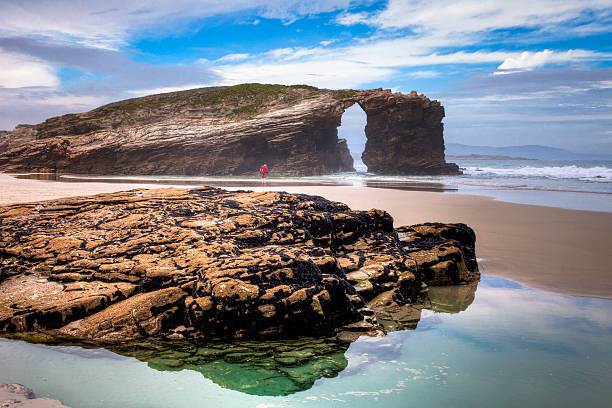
<point x="209" y="263"/>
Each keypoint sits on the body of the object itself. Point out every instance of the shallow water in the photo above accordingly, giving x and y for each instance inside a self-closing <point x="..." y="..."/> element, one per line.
<point x="577" y="185"/>
<point x="512" y="346"/>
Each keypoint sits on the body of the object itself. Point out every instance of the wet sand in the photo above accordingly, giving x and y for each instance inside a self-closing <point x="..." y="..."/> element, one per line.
<point x="564" y="251"/>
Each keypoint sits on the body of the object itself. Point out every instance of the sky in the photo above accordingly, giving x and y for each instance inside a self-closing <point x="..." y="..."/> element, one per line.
<point x="508" y="72"/>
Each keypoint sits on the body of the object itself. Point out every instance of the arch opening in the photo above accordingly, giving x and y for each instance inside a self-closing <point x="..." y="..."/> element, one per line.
<point x="352" y="128"/>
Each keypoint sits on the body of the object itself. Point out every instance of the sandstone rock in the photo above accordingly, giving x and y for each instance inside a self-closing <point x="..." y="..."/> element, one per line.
<point x="20" y="135"/>
<point x="445" y="252"/>
<point x="19" y="396"/>
<point x="208" y="263"/>
<point x="404" y="135"/>
<point x="232" y="131"/>
<point x="31" y="302"/>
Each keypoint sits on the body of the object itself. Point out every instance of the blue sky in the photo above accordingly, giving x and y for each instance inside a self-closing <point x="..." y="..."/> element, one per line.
<point x="508" y="73"/>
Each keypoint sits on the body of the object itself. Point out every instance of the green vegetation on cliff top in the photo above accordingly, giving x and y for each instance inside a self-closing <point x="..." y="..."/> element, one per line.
<point x="255" y="95"/>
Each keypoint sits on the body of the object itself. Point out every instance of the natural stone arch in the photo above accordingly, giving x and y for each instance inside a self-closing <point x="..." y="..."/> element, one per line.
<point x="404" y="134"/>
<point x="231" y="130"/>
<point x="352" y="129"/>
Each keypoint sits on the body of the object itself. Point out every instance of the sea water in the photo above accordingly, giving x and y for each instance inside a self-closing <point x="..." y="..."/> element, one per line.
<point x="577" y="185"/>
<point x="571" y="184"/>
<point x="513" y="346"/>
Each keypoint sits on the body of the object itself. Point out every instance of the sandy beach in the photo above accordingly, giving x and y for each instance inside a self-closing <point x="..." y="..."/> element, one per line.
<point x="559" y="250"/>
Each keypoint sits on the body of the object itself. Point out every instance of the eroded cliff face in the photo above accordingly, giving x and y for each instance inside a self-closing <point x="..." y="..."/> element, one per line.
<point x="404" y="135"/>
<point x="232" y="131"/>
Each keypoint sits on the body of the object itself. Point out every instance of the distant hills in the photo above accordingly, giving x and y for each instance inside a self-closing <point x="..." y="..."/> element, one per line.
<point x="526" y="151"/>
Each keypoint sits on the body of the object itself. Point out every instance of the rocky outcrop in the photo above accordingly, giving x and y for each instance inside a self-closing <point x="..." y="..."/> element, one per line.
<point x="444" y="252"/>
<point x="20" y="135"/>
<point x="232" y="131"/>
<point x="208" y="263"/>
<point x="404" y="135"/>
<point x="272" y="367"/>
<point x="20" y="396"/>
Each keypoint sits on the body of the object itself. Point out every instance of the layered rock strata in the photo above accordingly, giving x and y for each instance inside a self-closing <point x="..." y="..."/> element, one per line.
<point x="208" y="263"/>
<point x="404" y="135"/>
<point x="232" y="131"/>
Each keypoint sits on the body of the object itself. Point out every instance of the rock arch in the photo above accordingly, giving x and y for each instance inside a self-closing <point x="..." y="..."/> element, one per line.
<point x="404" y="134"/>
<point x="352" y="129"/>
<point x="232" y="130"/>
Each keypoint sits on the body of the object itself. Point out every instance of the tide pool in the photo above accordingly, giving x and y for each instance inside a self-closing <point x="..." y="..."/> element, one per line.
<point x="506" y="345"/>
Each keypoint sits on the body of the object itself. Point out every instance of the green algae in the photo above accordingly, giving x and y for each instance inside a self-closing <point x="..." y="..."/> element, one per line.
<point x="257" y="368"/>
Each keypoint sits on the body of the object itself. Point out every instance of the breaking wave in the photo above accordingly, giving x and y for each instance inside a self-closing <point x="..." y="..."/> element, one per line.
<point x="595" y="174"/>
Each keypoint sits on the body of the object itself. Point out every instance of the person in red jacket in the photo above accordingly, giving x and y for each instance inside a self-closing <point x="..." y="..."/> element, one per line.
<point x="264" y="171"/>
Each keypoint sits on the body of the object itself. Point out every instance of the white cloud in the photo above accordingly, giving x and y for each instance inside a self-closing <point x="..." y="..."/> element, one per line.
<point x="440" y="23"/>
<point x="500" y="98"/>
<point x="111" y="23"/>
<point x="233" y="57"/>
<point x="74" y="101"/>
<point x="529" y="60"/>
<point x="20" y="71"/>
<point x="423" y="74"/>
<point x="499" y="117"/>
<point x="279" y="52"/>
<point x="470" y="16"/>
<point x="604" y="85"/>
<point x="353" y="18"/>
<point x="506" y="72"/>
<point x="374" y="61"/>
<point x="558" y="92"/>
<point x="325" y="73"/>
<point x="166" y="89"/>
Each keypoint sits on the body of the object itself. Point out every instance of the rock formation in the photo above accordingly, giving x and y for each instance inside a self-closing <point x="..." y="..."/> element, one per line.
<point x="404" y="135"/>
<point x="20" y="396"/>
<point x="21" y="135"/>
<point x="208" y="263"/>
<point x="271" y="367"/>
<point x="232" y="131"/>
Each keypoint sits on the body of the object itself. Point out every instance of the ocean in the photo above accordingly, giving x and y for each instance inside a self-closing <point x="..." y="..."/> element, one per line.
<point x="571" y="184"/>
<point x="577" y="185"/>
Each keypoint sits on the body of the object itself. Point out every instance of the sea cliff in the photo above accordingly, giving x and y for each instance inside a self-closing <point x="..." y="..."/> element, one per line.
<point x="232" y="131"/>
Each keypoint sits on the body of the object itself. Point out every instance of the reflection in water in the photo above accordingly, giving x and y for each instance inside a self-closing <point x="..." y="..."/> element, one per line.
<point x="513" y="346"/>
<point x="284" y="367"/>
<point x="451" y="299"/>
<point x="274" y="368"/>
<point x="443" y="299"/>
<point x="257" y="368"/>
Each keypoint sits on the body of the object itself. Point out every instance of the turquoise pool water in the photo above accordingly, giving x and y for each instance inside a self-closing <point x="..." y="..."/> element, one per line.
<point x="513" y="346"/>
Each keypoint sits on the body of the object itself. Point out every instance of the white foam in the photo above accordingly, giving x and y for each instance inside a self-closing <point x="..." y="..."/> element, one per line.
<point x="598" y="173"/>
